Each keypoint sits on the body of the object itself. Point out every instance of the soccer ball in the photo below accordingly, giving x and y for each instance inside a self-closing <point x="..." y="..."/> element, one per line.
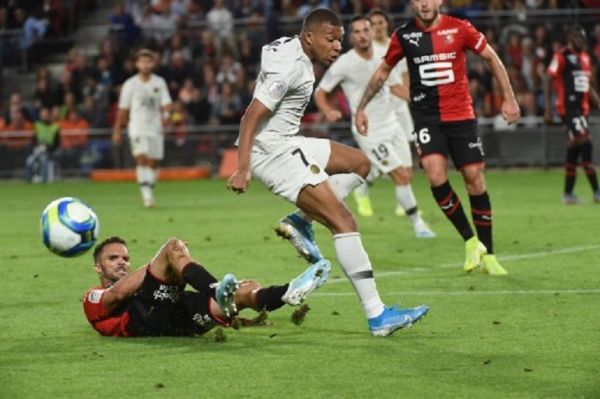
<point x="69" y="227"/>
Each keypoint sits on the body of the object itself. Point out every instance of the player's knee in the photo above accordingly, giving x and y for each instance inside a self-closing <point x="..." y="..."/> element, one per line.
<point x="401" y="176"/>
<point x="475" y="183"/>
<point x="363" y="166"/>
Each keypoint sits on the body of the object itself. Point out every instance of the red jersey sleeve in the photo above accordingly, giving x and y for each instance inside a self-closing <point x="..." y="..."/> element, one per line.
<point x="92" y="304"/>
<point x="557" y="65"/>
<point x="100" y="319"/>
<point x="395" y="52"/>
<point x="474" y="40"/>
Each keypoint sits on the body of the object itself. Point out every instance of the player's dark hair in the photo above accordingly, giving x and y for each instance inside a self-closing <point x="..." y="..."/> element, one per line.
<point x="102" y="244"/>
<point x="359" y="17"/>
<point x="320" y="16"/>
<point x="385" y="15"/>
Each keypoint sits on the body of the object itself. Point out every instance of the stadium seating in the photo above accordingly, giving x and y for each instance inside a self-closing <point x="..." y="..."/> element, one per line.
<point x="209" y="56"/>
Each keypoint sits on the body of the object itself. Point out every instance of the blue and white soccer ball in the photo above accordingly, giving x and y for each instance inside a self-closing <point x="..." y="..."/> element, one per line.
<point x="69" y="227"/>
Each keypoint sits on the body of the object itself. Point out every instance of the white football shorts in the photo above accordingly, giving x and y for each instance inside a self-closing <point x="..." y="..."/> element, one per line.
<point x="386" y="152"/>
<point x="406" y="124"/>
<point x="291" y="165"/>
<point x="152" y="147"/>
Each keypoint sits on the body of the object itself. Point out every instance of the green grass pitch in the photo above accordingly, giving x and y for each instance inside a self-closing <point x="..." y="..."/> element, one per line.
<point x="532" y="334"/>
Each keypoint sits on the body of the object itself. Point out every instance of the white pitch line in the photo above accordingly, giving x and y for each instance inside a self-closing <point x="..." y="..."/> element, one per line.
<point x="472" y="292"/>
<point x="505" y="258"/>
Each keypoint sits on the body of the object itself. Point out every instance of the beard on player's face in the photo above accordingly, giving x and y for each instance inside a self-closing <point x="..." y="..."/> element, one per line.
<point x="114" y="272"/>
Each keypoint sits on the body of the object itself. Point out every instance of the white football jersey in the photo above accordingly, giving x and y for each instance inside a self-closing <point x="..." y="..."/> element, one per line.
<point x="284" y="85"/>
<point x="144" y="101"/>
<point x="353" y="73"/>
<point x="400" y="106"/>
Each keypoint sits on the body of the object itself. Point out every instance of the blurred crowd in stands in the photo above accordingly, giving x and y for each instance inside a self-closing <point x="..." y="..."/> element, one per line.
<point x="209" y="53"/>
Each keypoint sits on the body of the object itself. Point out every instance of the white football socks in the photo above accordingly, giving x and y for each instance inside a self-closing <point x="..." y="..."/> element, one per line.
<point x="357" y="267"/>
<point x="144" y="176"/>
<point x="406" y="199"/>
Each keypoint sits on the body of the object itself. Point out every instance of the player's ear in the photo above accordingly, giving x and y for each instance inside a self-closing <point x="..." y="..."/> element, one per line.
<point x="308" y="37"/>
<point x="97" y="269"/>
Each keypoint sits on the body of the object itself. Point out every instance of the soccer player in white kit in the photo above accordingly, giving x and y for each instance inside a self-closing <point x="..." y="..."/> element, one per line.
<point x="143" y="102"/>
<point x="315" y="174"/>
<point x="386" y="146"/>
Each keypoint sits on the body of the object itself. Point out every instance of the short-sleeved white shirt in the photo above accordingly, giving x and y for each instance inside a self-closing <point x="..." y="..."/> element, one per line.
<point x="144" y="101"/>
<point x="353" y="73"/>
<point x="284" y="85"/>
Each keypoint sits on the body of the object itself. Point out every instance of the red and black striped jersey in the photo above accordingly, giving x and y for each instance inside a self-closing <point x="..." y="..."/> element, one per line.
<point x="437" y="66"/>
<point x="570" y="72"/>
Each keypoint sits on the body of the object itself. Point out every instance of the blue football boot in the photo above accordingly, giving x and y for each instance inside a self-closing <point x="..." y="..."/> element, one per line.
<point x="225" y="295"/>
<point x="300" y="234"/>
<point x="312" y="278"/>
<point x="394" y="318"/>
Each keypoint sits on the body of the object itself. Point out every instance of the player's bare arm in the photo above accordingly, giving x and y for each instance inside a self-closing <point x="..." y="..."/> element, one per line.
<point x="254" y="115"/>
<point x="402" y="91"/>
<point x="120" y="121"/>
<point x="375" y="84"/>
<point x="510" y="107"/>
<point x="331" y="114"/>
<point x="123" y="289"/>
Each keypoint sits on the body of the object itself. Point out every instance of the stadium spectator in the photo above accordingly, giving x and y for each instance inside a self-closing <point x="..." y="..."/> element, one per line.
<point x="123" y="25"/>
<point x="74" y="132"/>
<point x="227" y="108"/>
<point x="176" y="44"/>
<point x="228" y="70"/>
<point x="17" y="131"/>
<point x="220" y="23"/>
<point x="93" y="113"/>
<point x="15" y="103"/>
<point x="177" y="72"/>
<point x="199" y="107"/>
<point x="39" y="166"/>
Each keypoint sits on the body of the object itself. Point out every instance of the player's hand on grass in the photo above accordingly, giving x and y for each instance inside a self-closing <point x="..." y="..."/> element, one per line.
<point x="361" y="122"/>
<point x="239" y="181"/>
<point x="333" y="116"/>
<point x="510" y="110"/>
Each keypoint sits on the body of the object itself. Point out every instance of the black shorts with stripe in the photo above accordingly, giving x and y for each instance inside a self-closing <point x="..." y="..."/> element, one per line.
<point x="458" y="140"/>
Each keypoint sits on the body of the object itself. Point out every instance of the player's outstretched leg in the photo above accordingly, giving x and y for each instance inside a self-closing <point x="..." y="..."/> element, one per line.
<point x="395" y="318"/>
<point x="297" y="227"/>
<point x="303" y="285"/>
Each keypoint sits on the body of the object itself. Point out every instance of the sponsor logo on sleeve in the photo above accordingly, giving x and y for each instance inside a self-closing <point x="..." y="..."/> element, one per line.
<point x="95" y="296"/>
<point x="277" y="90"/>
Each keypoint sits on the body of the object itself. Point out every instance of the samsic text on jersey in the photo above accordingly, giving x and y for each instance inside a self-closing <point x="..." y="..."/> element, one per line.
<point x="436" y="64"/>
